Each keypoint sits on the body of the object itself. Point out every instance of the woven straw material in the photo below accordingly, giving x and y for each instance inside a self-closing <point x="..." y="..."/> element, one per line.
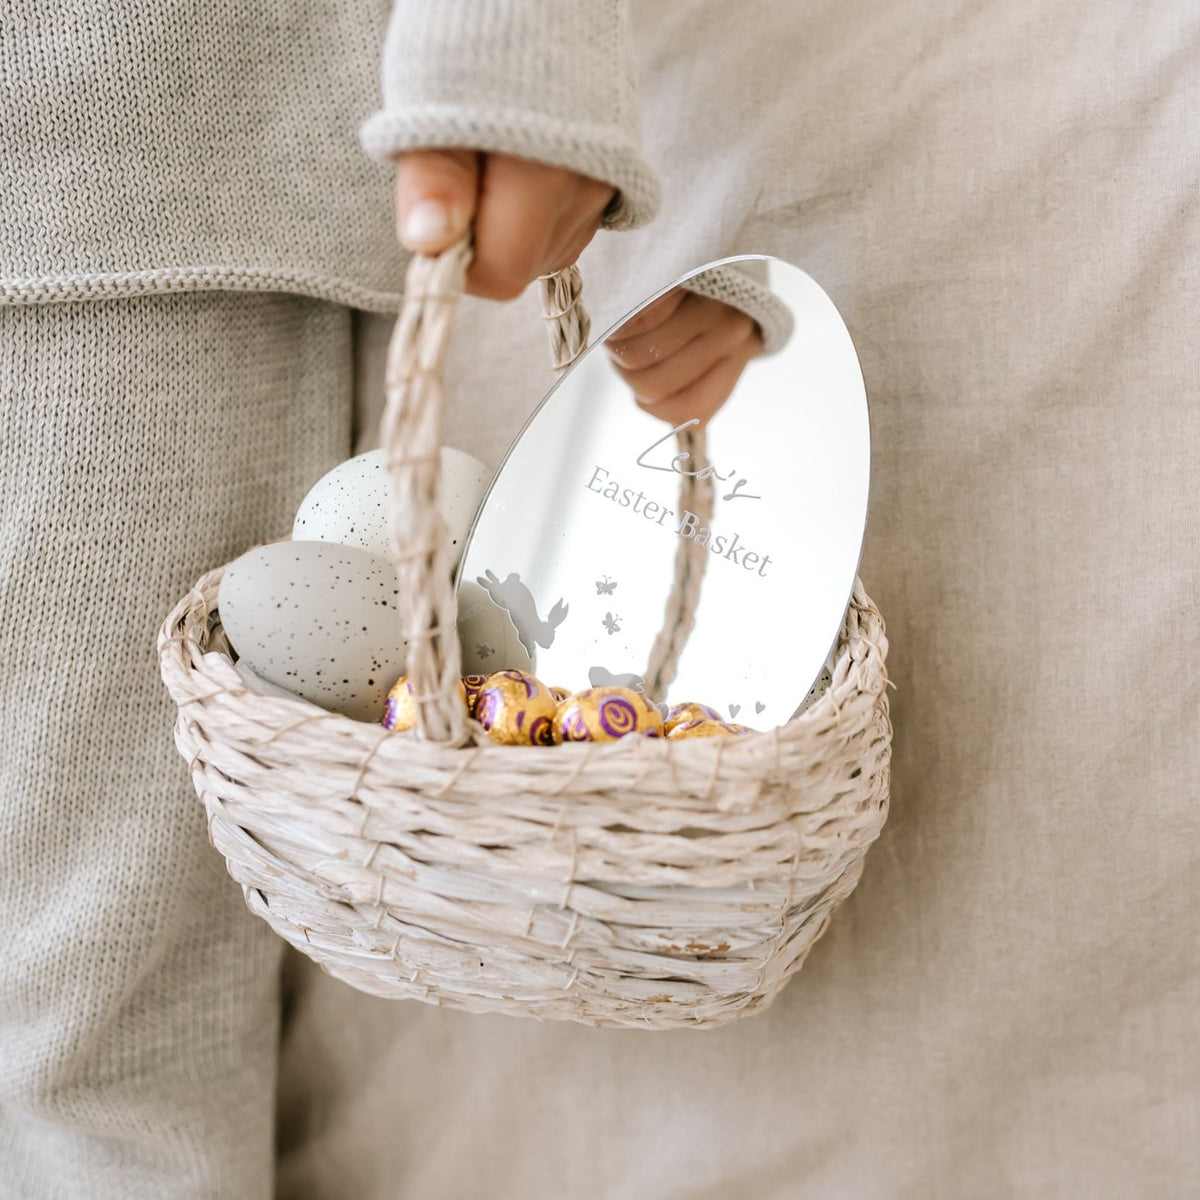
<point x="644" y="882"/>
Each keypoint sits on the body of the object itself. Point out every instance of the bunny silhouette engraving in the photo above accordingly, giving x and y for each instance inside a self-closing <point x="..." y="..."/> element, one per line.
<point x="601" y="677"/>
<point x="516" y="599"/>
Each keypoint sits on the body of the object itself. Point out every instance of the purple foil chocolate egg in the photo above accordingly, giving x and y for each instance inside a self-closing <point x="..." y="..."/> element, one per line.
<point x="682" y="714"/>
<point x="400" y="711"/>
<point x="516" y="709"/>
<point x="701" y="728"/>
<point x="606" y="714"/>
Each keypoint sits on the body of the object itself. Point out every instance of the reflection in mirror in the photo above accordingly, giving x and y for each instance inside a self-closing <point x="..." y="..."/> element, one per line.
<point x="684" y="512"/>
<point x="682" y="354"/>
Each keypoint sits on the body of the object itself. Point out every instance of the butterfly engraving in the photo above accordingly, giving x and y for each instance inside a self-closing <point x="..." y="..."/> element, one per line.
<point x="611" y="623"/>
<point x="605" y="586"/>
<point x="484" y="650"/>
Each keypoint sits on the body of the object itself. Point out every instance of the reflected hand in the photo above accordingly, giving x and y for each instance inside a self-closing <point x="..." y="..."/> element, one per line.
<point x="684" y="354"/>
<point x="529" y="219"/>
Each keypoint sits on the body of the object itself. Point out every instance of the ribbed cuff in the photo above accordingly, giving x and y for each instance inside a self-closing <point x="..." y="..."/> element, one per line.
<point x="546" y="80"/>
<point x="596" y="151"/>
<point x="734" y="284"/>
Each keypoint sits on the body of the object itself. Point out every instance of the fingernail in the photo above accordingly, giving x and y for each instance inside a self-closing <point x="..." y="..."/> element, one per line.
<point x="427" y="221"/>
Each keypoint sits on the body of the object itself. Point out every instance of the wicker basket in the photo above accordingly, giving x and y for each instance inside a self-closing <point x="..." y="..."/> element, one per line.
<point x="645" y="882"/>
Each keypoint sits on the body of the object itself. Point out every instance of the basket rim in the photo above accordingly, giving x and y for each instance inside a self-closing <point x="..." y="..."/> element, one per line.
<point x="185" y="655"/>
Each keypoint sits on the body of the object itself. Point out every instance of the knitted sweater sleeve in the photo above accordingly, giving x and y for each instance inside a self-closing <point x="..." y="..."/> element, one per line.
<point x="550" y="80"/>
<point x="743" y="285"/>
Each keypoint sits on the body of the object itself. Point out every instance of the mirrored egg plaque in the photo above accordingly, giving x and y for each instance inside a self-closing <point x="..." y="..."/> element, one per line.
<point x="684" y="512"/>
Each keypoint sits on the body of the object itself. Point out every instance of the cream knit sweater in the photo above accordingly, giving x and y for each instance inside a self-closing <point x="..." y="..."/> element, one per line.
<point x="150" y="149"/>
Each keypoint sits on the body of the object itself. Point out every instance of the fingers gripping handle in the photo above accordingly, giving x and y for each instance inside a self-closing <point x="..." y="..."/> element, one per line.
<point x="411" y="437"/>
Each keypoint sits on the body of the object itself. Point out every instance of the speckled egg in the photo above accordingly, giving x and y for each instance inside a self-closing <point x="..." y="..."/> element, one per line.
<point x="257" y="684"/>
<point x="317" y="619"/>
<point x="818" y="689"/>
<point x="349" y="505"/>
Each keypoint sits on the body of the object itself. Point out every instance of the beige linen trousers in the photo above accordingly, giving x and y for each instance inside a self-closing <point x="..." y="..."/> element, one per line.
<point x="139" y="999"/>
<point x="1002" y="198"/>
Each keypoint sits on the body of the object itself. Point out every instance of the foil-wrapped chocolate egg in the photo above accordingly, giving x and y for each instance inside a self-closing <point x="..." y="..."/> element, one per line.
<point x="472" y="686"/>
<point x="400" y="711"/>
<point x="516" y="709"/>
<point x="559" y="694"/>
<point x="699" y="729"/>
<point x="604" y="714"/>
<point x="681" y="714"/>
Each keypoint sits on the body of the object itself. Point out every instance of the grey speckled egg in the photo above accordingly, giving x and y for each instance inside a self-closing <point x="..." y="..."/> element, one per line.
<point x="350" y="504"/>
<point x="319" y="620"/>
<point x="257" y="684"/>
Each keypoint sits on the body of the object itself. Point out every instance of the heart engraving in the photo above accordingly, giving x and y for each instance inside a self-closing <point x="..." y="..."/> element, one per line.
<point x="759" y="706"/>
<point x="734" y="709"/>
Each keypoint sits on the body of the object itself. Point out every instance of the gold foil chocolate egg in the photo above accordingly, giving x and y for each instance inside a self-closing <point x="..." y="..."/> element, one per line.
<point x="400" y="712"/>
<point x="559" y="694"/>
<point x="516" y="709"/>
<point x="604" y="714"/>
<point x="472" y="686"/>
<point x="682" y="714"/>
<point x="700" y="729"/>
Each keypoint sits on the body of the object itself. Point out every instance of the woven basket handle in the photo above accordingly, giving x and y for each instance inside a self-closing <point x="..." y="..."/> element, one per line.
<point x="679" y="612"/>
<point x="411" y="436"/>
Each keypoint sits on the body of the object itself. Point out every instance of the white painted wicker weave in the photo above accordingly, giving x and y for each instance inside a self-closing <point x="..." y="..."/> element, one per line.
<point x="645" y="882"/>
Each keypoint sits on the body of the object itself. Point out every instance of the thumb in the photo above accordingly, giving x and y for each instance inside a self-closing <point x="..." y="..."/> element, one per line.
<point x="436" y="191"/>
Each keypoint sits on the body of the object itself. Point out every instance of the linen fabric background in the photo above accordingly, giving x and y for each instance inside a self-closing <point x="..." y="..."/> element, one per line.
<point x="1002" y="198"/>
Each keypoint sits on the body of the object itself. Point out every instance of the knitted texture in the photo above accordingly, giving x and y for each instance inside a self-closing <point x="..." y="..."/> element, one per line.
<point x="150" y="148"/>
<point x="540" y="79"/>
<point x="143" y="440"/>
<point x="743" y="285"/>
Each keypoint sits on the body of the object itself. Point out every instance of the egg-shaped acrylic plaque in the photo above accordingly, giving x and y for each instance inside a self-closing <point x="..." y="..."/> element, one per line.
<point x="684" y="512"/>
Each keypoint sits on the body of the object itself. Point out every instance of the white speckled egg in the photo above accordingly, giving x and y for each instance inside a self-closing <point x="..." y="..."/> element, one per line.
<point x="350" y="504"/>
<point x="317" y="619"/>
<point x="257" y="684"/>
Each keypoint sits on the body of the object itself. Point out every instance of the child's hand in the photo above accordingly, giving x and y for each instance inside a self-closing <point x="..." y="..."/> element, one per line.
<point x="529" y="219"/>
<point x="683" y="355"/>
